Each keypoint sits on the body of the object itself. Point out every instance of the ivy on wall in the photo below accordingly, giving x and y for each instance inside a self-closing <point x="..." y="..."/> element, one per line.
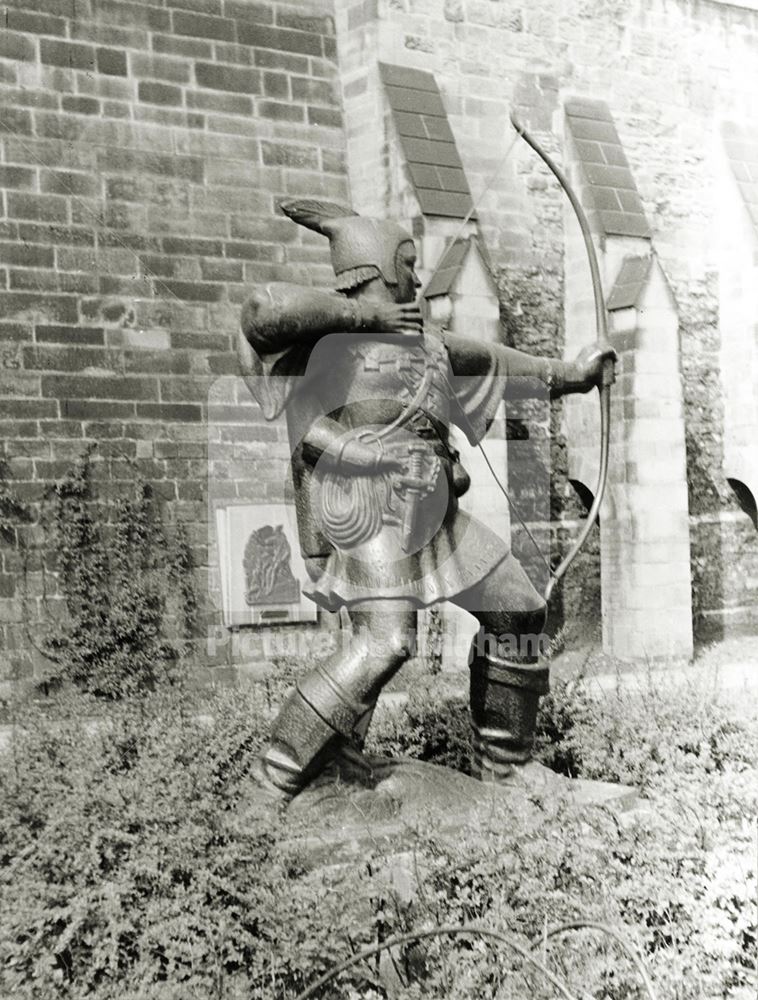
<point x="12" y="509"/>
<point x="127" y="587"/>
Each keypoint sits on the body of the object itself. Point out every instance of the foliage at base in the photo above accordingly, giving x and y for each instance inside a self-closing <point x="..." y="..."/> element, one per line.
<point x="130" y="869"/>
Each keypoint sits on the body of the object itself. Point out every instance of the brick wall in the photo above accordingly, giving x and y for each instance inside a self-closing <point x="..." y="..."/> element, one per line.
<point x="143" y="148"/>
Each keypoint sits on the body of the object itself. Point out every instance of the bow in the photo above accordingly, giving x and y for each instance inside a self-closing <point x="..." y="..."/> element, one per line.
<point x="601" y="322"/>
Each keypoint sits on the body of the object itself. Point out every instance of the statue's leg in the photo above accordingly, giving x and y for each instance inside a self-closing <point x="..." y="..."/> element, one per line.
<point x="506" y="677"/>
<point x="332" y="704"/>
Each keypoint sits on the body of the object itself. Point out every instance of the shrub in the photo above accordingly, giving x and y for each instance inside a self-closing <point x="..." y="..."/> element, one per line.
<point x="426" y="727"/>
<point x="127" y="584"/>
<point x="128" y="870"/>
<point x="125" y="870"/>
<point x="681" y="870"/>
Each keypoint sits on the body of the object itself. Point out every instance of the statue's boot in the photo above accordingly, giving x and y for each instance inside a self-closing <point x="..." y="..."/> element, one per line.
<point x="504" y="698"/>
<point x="329" y="710"/>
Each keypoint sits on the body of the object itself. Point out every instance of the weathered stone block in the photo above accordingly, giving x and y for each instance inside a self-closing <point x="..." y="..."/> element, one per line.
<point x="73" y="55"/>
<point x="159" y="93"/>
<point x="112" y="62"/>
<point x="233" y="78"/>
<point x="17" y="46"/>
<point x="265" y="37"/>
<point x="203" y="26"/>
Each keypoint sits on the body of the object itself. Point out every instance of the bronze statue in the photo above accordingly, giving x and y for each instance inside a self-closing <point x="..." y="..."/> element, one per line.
<point x="370" y="396"/>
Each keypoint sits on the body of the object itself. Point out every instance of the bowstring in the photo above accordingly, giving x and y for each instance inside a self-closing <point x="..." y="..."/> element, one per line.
<point x="516" y="511"/>
<point x="474" y="206"/>
<point x="471" y="434"/>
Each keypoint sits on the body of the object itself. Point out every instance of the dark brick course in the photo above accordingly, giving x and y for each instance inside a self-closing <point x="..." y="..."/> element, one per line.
<point x="326" y="117"/>
<point x="191" y="47"/>
<point x="276" y="85"/>
<point x="160" y="67"/>
<point x="98" y="387"/>
<point x="201" y="26"/>
<point x="70" y="54"/>
<point x="68" y="182"/>
<point x="280" y="38"/>
<point x="280" y="111"/>
<point x="313" y="91"/>
<point x="248" y="10"/>
<point x="34" y="23"/>
<point x="44" y="207"/>
<point x="80" y="105"/>
<point x="284" y="155"/>
<point x="195" y="291"/>
<point x="26" y="255"/>
<point x="14" y="45"/>
<point x="70" y="334"/>
<point x="205" y="248"/>
<point x="185" y="413"/>
<point x="17" y="120"/>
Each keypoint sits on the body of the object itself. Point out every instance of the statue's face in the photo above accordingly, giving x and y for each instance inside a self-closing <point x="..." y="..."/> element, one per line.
<point x="405" y="267"/>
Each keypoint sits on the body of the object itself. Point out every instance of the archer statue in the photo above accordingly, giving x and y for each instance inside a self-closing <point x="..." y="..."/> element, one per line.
<point x="370" y="396"/>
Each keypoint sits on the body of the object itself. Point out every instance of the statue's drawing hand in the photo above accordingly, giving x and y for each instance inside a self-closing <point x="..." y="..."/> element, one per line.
<point x="390" y="463"/>
<point x="590" y="363"/>
<point x="356" y="456"/>
<point x="393" y="317"/>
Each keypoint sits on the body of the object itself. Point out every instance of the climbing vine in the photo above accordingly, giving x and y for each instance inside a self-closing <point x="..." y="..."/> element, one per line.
<point x="12" y="509"/>
<point x="127" y="585"/>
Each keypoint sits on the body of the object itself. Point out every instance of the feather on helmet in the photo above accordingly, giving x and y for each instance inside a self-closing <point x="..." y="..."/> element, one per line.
<point x="361" y="247"/>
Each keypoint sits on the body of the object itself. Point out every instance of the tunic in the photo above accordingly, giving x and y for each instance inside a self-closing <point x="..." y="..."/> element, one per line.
<point x="401" y="395"/>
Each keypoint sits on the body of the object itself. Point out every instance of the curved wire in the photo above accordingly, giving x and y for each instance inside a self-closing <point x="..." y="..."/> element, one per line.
<point x="456" y="930"/>
<point x="449" y="929"/>
<point x="618" y="937"/>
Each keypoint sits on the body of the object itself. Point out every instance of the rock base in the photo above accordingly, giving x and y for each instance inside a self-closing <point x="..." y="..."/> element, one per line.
<point x="359" y="801"/>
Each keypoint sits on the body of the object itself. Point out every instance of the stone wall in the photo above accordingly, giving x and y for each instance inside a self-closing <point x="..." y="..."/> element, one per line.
<point x="144" y="146"/>
<point x="670" y="71"/>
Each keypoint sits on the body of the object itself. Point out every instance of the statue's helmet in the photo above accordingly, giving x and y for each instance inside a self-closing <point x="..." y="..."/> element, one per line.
<point x="361" y="248"/>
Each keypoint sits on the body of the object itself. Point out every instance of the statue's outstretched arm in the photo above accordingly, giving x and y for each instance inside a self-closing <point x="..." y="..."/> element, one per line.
<point x="280" y="315"/>
<point x="475" y="358"/>
<point x="561" y="377"/>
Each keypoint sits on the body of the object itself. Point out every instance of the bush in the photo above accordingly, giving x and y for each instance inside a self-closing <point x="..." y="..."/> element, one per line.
<point x="681" y="871"/>
<point x="127" y="870"/>
<point x="12" y="510"/>
<point x="425" y="727"/>
<point x="128" y="589"/>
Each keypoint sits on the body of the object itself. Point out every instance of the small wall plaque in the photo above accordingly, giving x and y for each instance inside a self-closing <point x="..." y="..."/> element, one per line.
<point x="262" y="571"/>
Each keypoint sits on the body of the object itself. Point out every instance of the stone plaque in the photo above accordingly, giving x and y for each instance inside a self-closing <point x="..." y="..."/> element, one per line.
<point x="262" y="571"/>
